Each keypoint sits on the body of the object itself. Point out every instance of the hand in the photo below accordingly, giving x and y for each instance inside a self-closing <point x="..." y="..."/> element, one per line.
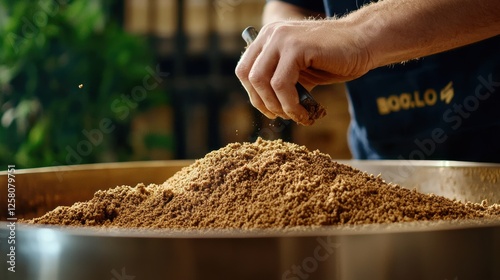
<point x="312" y="52"/>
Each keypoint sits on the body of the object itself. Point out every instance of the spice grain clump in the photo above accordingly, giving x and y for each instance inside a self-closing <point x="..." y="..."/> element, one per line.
<point x="264" y="184"/>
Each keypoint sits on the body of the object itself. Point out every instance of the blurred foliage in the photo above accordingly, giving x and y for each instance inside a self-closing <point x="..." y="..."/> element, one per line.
<point x="48" y="49"/>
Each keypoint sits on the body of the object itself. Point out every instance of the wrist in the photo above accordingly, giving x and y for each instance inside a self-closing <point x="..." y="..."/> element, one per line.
<point x="357" y="45"/>
<point x="368" y="31"/>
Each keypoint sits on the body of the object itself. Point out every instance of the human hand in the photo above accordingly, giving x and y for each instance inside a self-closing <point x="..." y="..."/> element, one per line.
<point x="312" y="52"/>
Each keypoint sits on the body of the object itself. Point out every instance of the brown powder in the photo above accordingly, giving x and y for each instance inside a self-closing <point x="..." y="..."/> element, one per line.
<point x="265" y="184"/>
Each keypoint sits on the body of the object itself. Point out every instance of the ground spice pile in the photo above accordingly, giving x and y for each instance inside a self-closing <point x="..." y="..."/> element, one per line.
<point x="265" y="184"/>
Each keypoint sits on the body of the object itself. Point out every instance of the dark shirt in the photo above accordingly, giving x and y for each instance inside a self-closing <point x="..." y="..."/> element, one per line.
<point x="444" y="106"/>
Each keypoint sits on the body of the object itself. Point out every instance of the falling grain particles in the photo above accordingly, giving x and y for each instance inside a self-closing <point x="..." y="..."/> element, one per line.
<point x="264" y="184"/>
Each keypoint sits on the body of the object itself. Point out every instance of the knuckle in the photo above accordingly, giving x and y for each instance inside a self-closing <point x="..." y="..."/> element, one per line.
<point x="270" y="27"/>
<point x="281" y="28"/>
<point x="241" y="71"/>
<point x="286" y="35"/>
<point x="278" y="84"/>
<point x="256" y="78"/>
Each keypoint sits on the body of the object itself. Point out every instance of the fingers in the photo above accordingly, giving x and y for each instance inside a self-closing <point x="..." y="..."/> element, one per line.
<point x="260" y="77"/>
<point x="269" y="77"/>
<point x="283" y="84"/>
<point x="243" y="70"/>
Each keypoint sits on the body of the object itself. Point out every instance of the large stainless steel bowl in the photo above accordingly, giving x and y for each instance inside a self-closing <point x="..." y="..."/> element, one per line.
<point x="437" y="250"/>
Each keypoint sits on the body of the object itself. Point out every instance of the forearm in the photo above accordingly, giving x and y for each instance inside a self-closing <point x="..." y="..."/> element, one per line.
<point x="398" y="30"/>
<point x="316" y="52"/>
<point x="278" y="10"/>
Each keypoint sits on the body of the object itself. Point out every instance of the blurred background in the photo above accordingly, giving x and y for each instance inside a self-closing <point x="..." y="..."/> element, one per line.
<point x="89" y="81"/>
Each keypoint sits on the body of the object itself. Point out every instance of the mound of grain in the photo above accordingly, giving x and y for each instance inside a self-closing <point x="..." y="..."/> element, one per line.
<point x="265" y="184"/>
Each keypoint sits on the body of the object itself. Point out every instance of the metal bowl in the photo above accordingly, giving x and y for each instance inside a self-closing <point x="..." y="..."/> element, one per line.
<point x="422" y="250"/>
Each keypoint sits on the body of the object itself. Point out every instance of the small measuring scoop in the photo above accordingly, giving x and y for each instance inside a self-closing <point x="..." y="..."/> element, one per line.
<point x="315" y="110"/>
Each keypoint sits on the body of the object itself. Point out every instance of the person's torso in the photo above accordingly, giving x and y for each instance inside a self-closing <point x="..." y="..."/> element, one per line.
<point x="444" y="106"/>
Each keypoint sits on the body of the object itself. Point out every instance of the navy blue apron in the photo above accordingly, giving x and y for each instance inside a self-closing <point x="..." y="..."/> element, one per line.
<point x="444" y="106"/>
